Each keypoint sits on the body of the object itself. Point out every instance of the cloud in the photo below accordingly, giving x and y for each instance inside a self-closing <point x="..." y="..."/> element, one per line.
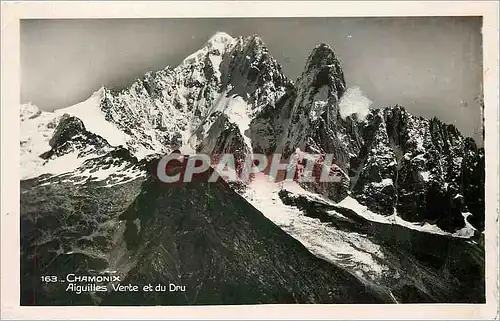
<point x="354" y="101"/>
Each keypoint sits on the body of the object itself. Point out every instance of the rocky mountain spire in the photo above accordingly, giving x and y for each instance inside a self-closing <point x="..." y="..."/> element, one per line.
<point x="232" y="96"/>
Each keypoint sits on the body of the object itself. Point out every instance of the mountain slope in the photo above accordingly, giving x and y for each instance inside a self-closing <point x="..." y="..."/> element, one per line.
<point x="423" y="170"/>
<point x="224" y="251"/>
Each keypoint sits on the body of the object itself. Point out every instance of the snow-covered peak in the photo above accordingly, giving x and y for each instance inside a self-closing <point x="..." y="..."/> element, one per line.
<point x="323" y="68"/>
<point x="232" y="96"/>
<point x="37" y="128"/>
<point x="100" y="92"/>
<point x="29" y="111"/>
<point x="220" y="38"/>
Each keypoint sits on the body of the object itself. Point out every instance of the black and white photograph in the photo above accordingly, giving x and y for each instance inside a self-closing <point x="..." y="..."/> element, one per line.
<point x="221" y="161"/>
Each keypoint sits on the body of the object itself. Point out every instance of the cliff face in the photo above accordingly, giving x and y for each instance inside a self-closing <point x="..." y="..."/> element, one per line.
<point x="420" y="168"/>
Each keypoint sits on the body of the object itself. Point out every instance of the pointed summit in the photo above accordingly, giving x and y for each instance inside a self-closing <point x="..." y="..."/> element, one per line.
<point x="256" y="40"/>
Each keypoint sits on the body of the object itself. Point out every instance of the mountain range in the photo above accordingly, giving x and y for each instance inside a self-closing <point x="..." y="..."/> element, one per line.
<point x="403" y="224"/>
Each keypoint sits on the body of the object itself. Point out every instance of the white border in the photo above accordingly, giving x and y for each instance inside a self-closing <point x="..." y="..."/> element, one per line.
<point x="10" y="79"/>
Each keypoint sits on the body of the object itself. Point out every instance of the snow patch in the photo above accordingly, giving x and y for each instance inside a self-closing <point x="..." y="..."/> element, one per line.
<point x="363" y="211"/>
<point x="197" y="76"/>
<point x="467" y="231"/>
<point x="237" y="112"/>
<point x="36" y="130"/>
<point x="419" y="157"/>
<point x="317" y="109"/>
<point x="90" y="113"/>
<point x="353" y="101"/>
<point x="216" y="60"/>
<point x="221" y="38"/>
<point x="101" y="174"/>
<point x="352" y="251"/>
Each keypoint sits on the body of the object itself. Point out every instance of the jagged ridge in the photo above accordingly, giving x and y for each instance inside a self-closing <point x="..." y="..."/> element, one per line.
<point x="232" y="95"/>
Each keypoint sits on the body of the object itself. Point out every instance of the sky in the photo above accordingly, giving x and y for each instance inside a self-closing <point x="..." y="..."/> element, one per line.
<point x="430" y="65"/>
